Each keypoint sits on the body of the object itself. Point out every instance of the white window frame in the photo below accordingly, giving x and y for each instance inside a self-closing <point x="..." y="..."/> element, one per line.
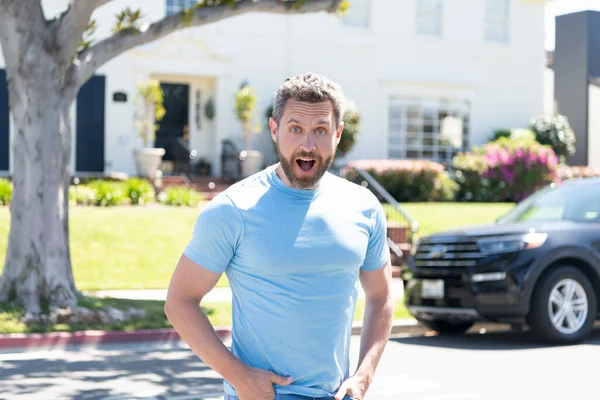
<point x="408" y="137"/>
<point x="175" y="6"/>
<point x="497" y="15"/>
<point x="358" y="14"/>
<point x="430" y="18"/>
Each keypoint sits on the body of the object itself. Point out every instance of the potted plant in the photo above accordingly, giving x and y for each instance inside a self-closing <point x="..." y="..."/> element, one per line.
<point x="149" y="158"/>
<point x="245" y="103"/>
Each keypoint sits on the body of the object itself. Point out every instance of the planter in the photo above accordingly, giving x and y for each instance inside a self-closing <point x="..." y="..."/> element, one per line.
<point x="147" y="161"/>
<point x="252" y="162"/>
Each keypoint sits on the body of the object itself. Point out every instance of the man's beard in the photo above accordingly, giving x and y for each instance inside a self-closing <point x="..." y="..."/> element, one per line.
<point x="305" y="181"/>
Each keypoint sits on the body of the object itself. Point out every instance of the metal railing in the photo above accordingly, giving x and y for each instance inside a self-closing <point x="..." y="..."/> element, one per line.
<point x="231" y="166"/>
<point x="401" y="226"/>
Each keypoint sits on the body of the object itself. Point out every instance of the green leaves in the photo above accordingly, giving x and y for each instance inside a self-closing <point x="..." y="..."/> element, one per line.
<point x="128" y="20"/>
<point x="87" y="39"/>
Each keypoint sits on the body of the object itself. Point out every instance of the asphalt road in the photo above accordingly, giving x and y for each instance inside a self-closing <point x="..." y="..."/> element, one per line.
<point x="490" y="366"/>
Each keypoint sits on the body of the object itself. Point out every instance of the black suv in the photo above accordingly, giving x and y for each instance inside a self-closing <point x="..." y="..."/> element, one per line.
<point x="539" y="265"/>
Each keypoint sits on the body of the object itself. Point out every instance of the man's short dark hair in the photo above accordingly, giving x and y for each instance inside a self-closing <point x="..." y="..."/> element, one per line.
<point x="311" y="88"/>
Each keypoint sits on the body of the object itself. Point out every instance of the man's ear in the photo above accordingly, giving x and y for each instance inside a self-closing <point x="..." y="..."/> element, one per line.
<point x="338" y="132"/>
<point x="273" y="129"/>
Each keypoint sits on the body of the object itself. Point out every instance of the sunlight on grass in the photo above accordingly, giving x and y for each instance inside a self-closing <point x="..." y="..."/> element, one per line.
<point x="123" y="247"/>
<point x="138" y="247"/>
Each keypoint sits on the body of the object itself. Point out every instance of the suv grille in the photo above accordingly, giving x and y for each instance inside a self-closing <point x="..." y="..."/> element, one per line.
<point x="447" y="253"/>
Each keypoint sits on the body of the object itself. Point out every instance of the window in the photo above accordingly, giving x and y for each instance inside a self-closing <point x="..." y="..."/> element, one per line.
<point x="358" y="14"/>
<point x="578" y="202"/>
<point x="429" y="17"/>
<point x="497" y="15"/>
<point x="175" y="6"/>
<point x="428" y="128"/>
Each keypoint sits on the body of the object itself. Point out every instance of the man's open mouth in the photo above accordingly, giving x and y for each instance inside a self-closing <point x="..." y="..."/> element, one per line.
<point x="305" y="164"/>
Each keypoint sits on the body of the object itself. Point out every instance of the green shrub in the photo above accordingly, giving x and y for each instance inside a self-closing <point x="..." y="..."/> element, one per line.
<point x="350" y="133"/>
<point x="82" y="195"/>
<point x="410" y="180"/>
<point x="180" y="196"/>
<point x="139" y="191"/>
<point x="6" y="189"/>
<point x="468" y="170"/>
<point x="500" y="133"/>
<point x="555" y="132"/>
<point x="109" y="193"/>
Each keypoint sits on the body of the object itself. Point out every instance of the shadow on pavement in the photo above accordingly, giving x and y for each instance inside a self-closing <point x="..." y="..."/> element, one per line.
<point x="498" y="340"/>
<point x="107" y="374"/>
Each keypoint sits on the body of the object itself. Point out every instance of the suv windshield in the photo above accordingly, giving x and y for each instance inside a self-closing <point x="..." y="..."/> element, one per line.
<point x="572" y="202"/>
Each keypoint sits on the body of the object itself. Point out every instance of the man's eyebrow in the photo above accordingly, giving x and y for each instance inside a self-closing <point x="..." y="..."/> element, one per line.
<point x="319" y="122"/>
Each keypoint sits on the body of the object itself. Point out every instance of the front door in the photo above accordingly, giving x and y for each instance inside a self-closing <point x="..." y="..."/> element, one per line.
<point x="4" y="125"/>
<point x="175" y="122"/>
<point x="89" y="145"/>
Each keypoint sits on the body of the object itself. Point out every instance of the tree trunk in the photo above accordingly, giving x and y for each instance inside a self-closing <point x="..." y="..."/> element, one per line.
<point x="38" y="263"/>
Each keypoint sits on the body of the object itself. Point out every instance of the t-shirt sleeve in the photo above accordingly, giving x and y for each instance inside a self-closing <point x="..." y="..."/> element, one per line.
<point x="378" y="251"/>
<point x="217" y="233"/>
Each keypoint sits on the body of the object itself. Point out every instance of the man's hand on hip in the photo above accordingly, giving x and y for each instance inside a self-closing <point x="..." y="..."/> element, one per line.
<point x="257" y="384"/>
<point x="355" y="387"/>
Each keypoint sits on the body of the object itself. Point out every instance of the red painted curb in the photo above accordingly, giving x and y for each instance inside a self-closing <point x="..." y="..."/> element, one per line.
<point x="51" y="339"/>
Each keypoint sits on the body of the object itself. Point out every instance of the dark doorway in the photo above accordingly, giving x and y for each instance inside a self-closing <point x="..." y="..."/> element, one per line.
<point x="90" y="126"/>
<point x="172" y="126"/>
<point x="4" y="125"/>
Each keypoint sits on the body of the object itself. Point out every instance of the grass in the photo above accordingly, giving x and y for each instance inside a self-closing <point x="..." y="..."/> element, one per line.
<point x="437" y="217"/>
<point x="219" y="314"/>
<point x="123" y="247"/>
<point x="138" y="247"/>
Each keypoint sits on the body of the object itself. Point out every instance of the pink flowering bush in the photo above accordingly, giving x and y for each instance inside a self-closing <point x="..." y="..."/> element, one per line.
<point x="468" y="171"/>
<point x="411" y="180"/>
<point x="508" y="170"/>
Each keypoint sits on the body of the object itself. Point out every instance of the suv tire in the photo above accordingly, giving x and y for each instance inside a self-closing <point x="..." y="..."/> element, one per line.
<point x="445" y="327"/>
<point x="563" y="306"/>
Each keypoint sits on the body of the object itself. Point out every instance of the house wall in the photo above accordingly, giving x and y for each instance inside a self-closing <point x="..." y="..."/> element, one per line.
<point x="593" y="150"/>
<point x="504" y="82"/>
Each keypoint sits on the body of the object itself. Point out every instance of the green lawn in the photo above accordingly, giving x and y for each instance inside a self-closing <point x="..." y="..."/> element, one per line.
<point x="122" y="247"/>
<point x="138" y="247"/>
<point x="436" y="217"/>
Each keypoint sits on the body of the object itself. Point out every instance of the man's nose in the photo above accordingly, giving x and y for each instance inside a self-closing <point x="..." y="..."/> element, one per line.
<point x="308" y="142"/>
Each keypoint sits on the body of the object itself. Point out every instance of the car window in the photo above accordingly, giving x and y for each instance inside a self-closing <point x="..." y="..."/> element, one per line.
<point x="585" y="208"/>
<point x="580" y="203"/>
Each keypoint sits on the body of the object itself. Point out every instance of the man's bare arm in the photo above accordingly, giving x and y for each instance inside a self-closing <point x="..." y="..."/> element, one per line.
<point x="189" y="284"/>
<point x="377" y="322"/>
<point x="377" y="325"/>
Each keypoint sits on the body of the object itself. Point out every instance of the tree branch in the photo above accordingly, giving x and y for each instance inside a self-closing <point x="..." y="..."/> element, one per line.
<point x="73" y="23"/>
<point x="21" y="22"/>
<point x="91" y="59"/>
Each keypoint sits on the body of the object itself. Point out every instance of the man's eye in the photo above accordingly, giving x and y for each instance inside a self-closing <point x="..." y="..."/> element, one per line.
<point x="295" y="129"/>
<point x="321" y="132"/>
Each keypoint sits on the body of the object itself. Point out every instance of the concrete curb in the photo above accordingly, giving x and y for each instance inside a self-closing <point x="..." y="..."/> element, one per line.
<point x="60" y="339"/>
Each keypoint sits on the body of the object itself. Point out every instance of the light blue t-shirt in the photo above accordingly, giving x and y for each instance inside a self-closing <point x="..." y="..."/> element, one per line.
<point x="292" y="258"/>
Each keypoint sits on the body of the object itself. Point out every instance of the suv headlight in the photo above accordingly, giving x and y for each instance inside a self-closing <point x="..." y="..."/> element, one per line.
<point x="507" y="244"/>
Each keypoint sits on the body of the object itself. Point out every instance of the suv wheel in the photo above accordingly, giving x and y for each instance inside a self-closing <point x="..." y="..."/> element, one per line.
<point x="563" y="307"/>
<point x="445" y="327"/>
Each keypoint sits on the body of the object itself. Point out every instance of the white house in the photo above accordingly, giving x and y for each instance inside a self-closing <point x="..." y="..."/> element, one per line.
<point x="429" y="77"/>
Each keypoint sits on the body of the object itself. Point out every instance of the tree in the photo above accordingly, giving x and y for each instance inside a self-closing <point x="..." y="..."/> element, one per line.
<point x="47" y="62"/>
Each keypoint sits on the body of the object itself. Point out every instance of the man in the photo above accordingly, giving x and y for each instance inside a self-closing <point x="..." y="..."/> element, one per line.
<point x="293" y="240"/>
